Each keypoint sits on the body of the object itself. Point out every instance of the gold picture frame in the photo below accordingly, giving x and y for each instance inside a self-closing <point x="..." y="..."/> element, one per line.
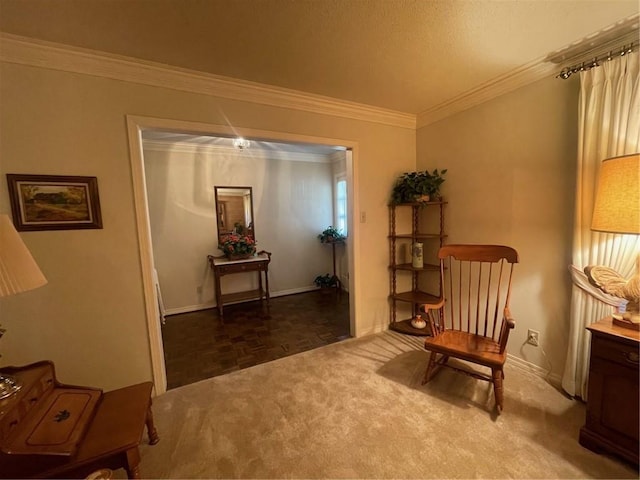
<point x="54" y="202"/>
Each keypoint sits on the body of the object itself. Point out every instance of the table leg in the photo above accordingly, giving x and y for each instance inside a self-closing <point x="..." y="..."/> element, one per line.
<point x="266" y="280"/>
<point x="219" y="297"/>
<point x="133" y="463"/>
<point x="260" y="289"/>
<point x="151" y="428"/>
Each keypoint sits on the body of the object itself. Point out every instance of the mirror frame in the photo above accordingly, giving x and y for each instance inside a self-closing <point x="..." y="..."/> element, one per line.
<point x="219" y="206"/>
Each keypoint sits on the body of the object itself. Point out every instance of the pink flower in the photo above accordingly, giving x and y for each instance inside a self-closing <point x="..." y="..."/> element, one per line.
<point x="238" y="244"/>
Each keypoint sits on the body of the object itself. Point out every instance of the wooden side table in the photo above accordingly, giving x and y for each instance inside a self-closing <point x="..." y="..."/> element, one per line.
<point x="223" y="266"/>
<point x="110" y="442"/>
<point x="612" y="423"/>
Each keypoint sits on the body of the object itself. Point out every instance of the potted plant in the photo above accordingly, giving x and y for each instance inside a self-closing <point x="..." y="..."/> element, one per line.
<point x="413" y="187"/>
<point x="331" y="235"/>
<point x="326" y="281"/>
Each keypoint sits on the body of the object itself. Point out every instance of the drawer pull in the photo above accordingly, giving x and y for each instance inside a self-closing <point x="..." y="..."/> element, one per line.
<point x="631" y="357"/>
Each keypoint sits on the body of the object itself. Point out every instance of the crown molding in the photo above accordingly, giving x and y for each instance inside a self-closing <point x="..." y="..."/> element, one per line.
<point x="519" y="77"/>
<point x="625" y="30"/>
<point x="252" y="152"/>
<point x="38" y="53"/>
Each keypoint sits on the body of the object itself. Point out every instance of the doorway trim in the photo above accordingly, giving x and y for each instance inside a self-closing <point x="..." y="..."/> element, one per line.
<point x="135" y="126"/>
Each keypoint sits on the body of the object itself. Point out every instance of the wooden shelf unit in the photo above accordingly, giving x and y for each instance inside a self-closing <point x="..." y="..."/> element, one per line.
<point x="418" y="293"/>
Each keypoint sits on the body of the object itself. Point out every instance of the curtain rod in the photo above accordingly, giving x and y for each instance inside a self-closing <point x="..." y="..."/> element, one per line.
<point x="609" y="42"/>
<point x="597" y="60"/>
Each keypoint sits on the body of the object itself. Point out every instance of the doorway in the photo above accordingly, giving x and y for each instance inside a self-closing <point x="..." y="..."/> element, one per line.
<point x="138" y="126"/>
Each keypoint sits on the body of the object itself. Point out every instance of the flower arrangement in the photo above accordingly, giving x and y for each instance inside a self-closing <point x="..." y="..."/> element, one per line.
<point x="237" y="246"/>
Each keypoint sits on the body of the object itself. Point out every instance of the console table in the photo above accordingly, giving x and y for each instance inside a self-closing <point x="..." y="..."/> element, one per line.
<point x="222" y="266"/>
<point x="612" y="405"/>
<point x="52" y="430"/>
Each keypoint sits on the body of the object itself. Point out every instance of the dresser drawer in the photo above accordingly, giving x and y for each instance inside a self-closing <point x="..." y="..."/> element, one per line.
<point x="237" y="268"/>
<point x="624" y="354"/>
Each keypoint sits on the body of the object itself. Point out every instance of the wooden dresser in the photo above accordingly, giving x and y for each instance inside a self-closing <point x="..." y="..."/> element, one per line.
<point x="612" y="423"/>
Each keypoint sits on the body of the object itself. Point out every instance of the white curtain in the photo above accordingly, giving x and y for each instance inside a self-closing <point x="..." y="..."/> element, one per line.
<point x="609" y="125"/>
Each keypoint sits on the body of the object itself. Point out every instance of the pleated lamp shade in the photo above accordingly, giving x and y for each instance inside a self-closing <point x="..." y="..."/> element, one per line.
<point x="617" y="205"/>
<point x="18" y="270"/>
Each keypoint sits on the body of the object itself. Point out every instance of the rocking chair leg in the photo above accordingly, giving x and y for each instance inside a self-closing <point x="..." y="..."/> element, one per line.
<point x="498" y="389"/>
<point x="430" y="368"/>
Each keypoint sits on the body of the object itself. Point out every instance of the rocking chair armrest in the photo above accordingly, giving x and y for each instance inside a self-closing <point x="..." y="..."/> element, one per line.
<point x="435" y="304"/>
<point x="434" y="328"/>
<point x="511" y="323"/>
<point x="507" y="324"/>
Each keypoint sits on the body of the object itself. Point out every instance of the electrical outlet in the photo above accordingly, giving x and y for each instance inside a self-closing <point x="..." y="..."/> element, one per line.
<point x="533" y="337"/>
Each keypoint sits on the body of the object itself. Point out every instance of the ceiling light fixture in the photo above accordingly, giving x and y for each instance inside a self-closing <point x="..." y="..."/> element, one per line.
<point x="241" y="143"/>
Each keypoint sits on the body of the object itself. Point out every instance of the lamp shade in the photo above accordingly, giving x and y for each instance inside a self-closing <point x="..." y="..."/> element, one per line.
<point x="617" y="205"/>
<point x="18" y="270"/>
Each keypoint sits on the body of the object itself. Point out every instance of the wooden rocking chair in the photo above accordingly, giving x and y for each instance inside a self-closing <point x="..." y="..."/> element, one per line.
<point x="474" y="321"/>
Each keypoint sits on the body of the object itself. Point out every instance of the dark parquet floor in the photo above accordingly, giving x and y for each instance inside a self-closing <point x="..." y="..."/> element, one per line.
<point x="197" y="346"/>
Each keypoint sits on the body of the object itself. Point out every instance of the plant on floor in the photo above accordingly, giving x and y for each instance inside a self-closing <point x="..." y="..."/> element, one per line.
<point x="422" y="187"/>
<point x="326" y="281"/>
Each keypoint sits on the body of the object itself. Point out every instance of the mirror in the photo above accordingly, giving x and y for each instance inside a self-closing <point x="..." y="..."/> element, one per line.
<point x="234" y="211"/>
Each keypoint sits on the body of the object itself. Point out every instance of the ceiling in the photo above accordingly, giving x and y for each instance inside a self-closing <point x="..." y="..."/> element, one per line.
<point x="403" y="55"/>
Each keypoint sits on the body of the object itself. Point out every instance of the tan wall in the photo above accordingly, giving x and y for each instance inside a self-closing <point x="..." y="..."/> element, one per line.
<point x="90" y="318"/>
<point x="510" y="180"/>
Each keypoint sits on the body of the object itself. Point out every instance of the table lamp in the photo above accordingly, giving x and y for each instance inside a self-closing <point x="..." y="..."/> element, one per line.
<point x="617" y="210"/>
<point x="18" y="273"/>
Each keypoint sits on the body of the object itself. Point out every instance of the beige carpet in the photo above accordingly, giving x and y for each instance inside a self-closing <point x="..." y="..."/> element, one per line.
<point x="356" y="409"/>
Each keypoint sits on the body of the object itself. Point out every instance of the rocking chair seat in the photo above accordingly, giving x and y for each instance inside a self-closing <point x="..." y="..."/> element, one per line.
<point x="467" y="346"/>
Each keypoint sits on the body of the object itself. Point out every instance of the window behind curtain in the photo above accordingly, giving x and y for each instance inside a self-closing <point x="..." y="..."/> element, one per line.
<point x="341" y="204"/>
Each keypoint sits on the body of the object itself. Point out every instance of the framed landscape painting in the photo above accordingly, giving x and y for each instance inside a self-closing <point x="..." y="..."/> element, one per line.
<point x="54" y="202"/>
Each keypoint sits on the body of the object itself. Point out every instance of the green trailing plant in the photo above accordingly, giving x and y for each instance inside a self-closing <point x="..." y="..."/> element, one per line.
<point x="418" y="187"/>
<point x="331" y="235"/>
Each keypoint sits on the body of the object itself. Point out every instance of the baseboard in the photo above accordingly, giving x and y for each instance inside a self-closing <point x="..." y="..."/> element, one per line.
<point x="188" y="309"/>
<point x="372" y="330"/>
<point x="553" y="378"/>
<point x="205" y="306"/>
<point x="293" y="291"/>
